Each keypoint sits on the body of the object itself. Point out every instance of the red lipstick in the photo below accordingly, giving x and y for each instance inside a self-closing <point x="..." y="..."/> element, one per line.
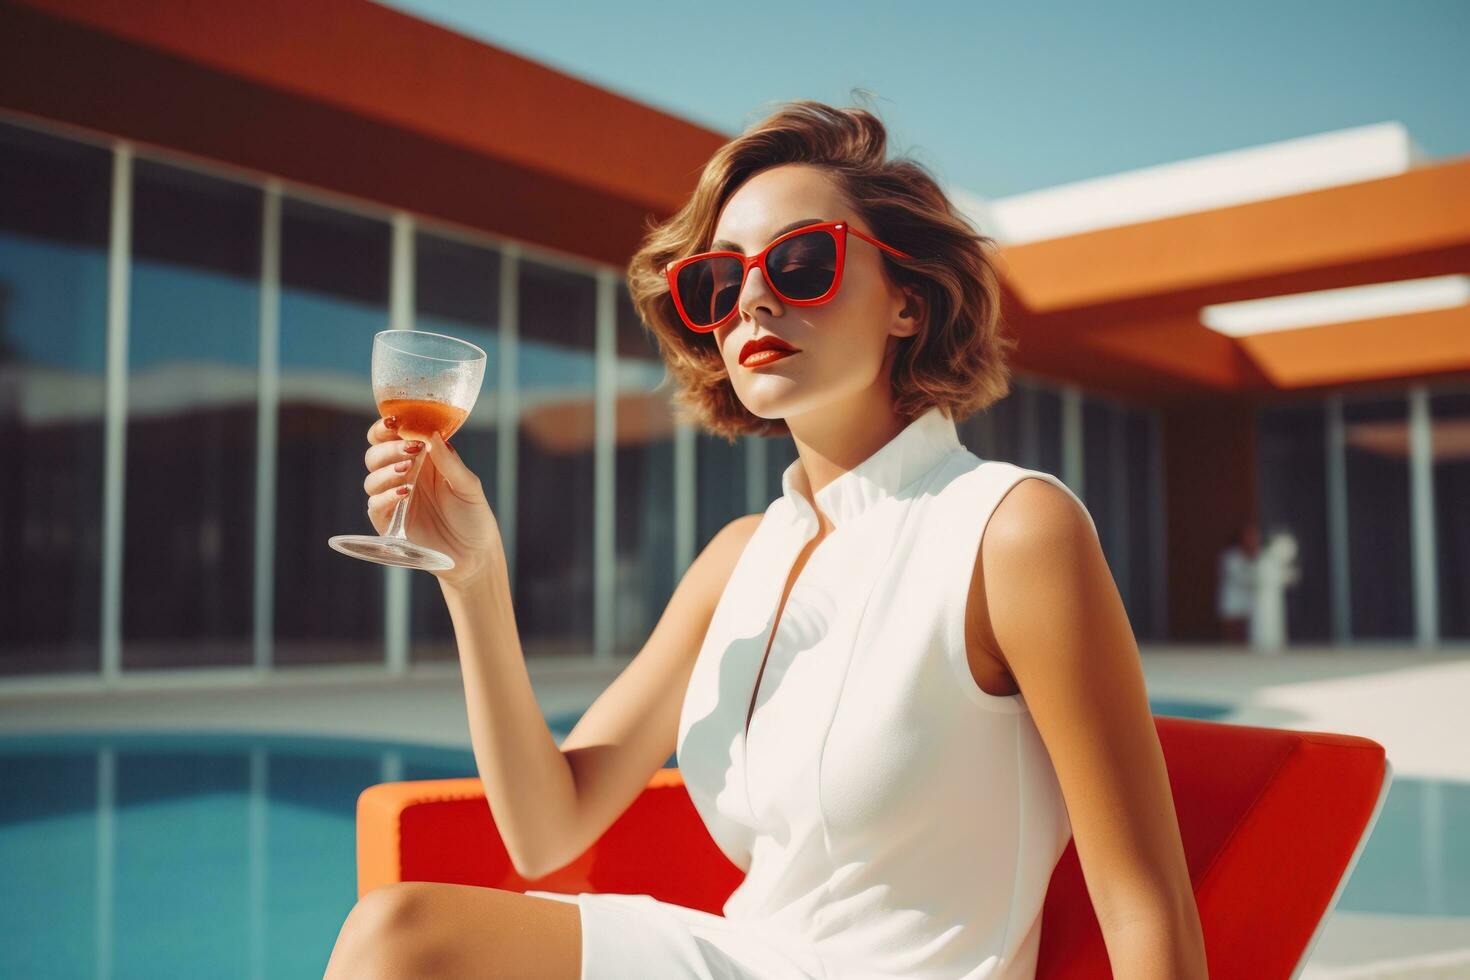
<point x="754" y="353"/>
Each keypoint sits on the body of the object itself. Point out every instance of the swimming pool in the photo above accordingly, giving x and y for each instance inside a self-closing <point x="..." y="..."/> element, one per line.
<point x="233" y="855"/>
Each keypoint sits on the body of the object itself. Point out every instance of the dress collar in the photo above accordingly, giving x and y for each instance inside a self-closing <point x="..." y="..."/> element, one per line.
<point x="896" y="464"/>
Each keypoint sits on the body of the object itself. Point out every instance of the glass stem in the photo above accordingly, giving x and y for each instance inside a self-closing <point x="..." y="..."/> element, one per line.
<point x="400" y="511"/>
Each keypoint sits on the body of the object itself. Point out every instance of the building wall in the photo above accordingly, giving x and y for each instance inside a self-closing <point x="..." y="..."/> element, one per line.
<point x="1209" y="447"/>
<point x="187" y="361"/>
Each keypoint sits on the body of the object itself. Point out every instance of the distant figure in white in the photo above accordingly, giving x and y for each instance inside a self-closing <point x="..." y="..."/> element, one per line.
<point x="1276" y="570"/>
<point x="1236" y="597"/>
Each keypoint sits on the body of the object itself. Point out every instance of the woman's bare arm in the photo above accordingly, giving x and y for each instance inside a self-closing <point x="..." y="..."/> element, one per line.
<point x="550" y="804"/>
<point x="1053" y="614"/>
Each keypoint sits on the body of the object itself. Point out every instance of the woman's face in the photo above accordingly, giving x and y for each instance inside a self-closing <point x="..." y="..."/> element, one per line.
<point x="845" y="344"/>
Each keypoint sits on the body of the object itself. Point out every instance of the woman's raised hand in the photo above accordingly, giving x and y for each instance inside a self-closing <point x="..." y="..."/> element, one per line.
<point x="449" y="512"/>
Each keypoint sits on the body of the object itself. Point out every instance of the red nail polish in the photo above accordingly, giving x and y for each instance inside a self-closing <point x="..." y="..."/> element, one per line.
<point x="391" y="421"/>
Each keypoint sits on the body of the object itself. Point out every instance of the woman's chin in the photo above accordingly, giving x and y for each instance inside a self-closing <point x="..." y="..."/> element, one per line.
<point x="761" y="401"/>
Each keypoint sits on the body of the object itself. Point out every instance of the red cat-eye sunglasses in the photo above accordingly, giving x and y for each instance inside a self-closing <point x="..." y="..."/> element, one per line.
<point x="802" y="267"/>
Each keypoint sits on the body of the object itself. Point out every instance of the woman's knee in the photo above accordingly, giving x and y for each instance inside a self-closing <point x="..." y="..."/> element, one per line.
<point x="394" y="908"/>
<point x="379" y="937"/>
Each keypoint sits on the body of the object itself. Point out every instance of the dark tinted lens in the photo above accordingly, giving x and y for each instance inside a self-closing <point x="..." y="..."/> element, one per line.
<point x="803" y="266"/>
<point x="709" y="289"/>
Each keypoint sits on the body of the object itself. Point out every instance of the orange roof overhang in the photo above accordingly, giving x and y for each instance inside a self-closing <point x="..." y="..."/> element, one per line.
<point x="360" y="99"/>
<point x="1128" y="298"/>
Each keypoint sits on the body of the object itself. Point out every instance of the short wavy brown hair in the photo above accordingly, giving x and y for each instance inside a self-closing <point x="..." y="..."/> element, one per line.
<point x="957" y="360"/>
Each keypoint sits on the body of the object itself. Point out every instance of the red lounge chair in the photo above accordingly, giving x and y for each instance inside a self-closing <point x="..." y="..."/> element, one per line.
<point x="1273" y="822"/>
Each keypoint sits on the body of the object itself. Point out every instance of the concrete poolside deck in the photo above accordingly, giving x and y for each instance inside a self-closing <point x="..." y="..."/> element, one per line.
<point x="1411" y="701"/>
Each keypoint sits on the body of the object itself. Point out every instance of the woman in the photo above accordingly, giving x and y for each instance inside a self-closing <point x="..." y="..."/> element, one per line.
<point x="1235" y="592"/>
<point x="891" y="729"/>
<point x="1275" y="571"/>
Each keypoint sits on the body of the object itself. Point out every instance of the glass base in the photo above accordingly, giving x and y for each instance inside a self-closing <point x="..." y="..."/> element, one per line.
<point x="391" y="551"/>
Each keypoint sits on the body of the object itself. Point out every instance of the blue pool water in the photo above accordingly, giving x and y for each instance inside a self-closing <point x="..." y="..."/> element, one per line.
<point x="219" y="855"/>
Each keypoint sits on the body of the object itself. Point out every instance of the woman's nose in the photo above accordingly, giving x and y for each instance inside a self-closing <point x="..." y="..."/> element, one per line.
<point x="756" y="294"/>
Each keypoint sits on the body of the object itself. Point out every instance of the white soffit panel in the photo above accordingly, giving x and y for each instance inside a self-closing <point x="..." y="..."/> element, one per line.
<point x="1294" y="166"/>
<point x="1380" y="299"/>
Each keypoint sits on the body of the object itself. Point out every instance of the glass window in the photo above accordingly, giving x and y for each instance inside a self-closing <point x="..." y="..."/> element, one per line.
<point x="995" y="432"/>
<point x="193" y="407"/>
<point x="1291" y="473"/>
<point x="644" y="501"/>
<point x="334" y="297"/>
<point x="1142" y="505"/>
<point x="780" y="453"/>
<point x="719" y="484"/>
<point x="1023" y="394"/>
<point x="554" y="483"/>
<point x="1048" y="408"/>
<point x="1376" y="438"/>
<point x="1102" y="477"/>
<point x="54" y="219"/>
<point x="457" y="292"/>
<point x="1450" y="415"/>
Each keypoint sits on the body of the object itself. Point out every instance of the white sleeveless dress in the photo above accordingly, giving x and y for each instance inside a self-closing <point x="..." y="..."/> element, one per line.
<point x="893" y="818"/>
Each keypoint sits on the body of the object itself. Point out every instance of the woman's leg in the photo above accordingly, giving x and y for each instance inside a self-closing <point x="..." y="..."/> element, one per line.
<point x="428" y="929"/>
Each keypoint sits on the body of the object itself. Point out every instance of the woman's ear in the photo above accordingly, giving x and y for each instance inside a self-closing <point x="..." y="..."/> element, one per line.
<point x="913" y="313"/>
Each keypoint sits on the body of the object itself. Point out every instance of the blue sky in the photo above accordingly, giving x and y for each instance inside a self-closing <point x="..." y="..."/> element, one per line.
<point x="1001" y="98"/>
